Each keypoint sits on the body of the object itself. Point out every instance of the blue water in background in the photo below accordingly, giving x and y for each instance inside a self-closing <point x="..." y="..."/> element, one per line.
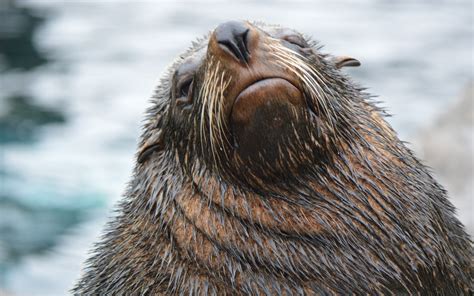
<point x="77" y="105"/>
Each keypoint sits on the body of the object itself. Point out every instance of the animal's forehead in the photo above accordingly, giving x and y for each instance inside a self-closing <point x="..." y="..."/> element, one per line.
<point x="276" y="30"/>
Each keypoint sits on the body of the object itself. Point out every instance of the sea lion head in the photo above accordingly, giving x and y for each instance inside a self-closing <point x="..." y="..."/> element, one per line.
<point x="254" y="103"/>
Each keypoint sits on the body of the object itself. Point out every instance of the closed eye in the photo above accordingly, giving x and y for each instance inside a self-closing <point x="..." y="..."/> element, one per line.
<point x="184" y="87"/>
<point x="295" y="40"/>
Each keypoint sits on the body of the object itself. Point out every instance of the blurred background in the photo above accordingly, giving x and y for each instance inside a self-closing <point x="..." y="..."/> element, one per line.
<point x="76" y="77"/>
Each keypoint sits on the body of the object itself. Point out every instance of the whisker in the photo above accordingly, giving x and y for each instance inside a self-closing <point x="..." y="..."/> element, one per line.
<point x="313" y="81"/>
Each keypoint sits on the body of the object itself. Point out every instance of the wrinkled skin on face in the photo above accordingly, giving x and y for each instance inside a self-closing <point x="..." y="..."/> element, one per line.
<point x="263" y="170"/>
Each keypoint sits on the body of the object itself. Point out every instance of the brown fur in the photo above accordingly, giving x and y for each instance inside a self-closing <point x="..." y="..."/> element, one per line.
<point x="343" y="208"/>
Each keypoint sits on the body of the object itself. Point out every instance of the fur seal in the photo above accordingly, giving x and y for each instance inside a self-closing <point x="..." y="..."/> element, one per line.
<point x="263" y="170"/>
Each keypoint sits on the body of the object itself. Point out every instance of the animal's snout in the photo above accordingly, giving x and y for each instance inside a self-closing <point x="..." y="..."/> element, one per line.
<point x="232" y="38"/>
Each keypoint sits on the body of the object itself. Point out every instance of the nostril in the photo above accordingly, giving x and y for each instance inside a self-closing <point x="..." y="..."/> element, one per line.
<point x="238" y="48"/>
<point x="233" y="38"/>
<point x="243" y="42"/>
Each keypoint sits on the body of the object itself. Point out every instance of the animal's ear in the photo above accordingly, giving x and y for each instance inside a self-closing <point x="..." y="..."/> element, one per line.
<point x="345" y="61"/>
<point x="154" y="143"/>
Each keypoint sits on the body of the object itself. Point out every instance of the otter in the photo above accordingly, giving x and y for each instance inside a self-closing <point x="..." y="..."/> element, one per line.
<point x="264" y="170"/>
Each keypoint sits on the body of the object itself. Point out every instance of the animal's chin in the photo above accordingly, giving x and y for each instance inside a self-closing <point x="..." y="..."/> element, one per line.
<point x="263" y="93"/>
<point x="263" y="115"/>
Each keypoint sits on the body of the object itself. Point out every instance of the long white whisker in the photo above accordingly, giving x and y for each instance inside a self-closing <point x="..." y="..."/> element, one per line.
<point x="310" y="76"/>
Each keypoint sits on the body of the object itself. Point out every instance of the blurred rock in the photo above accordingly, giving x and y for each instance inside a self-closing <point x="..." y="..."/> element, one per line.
<point x="17" y="27"/>
<point x="22" y="117"/>
<point x="447" y="146"/>
<point x="27" y="229"/>
<point x="4" y="293"/>
<point x="29" y="237"/>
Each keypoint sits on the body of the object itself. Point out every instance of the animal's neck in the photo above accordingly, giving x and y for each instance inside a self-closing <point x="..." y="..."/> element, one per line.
<point x="251" y="240"/>
<point x="244" y="239"/>
<point x="195" y="235"/>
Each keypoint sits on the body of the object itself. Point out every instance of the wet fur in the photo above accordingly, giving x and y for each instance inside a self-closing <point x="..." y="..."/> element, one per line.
<point x="346" y="208"/>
